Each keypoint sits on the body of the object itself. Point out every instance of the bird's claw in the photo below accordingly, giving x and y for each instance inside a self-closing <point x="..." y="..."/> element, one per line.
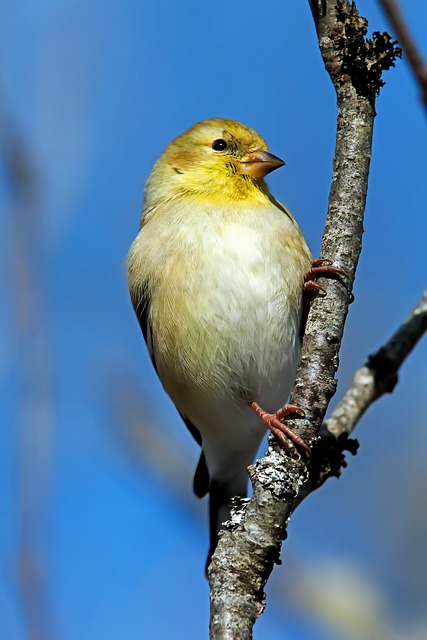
<point x="320" y="267"/>
<point x="273" y="422"/>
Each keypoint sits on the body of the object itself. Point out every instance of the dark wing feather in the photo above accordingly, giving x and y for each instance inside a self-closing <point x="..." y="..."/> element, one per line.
<point x="141" y="304"/>
<point x="192" y="429"/>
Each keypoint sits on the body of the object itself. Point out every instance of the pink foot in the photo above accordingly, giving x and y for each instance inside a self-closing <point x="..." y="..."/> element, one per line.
<point x="320" y="267"/>
<point x="273" y="421"/>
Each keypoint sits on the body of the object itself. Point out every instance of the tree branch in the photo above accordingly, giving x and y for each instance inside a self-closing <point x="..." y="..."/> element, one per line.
<point x="247" y="551"/>
<point x="416" y="62"/>
<point x="379" y="375"/>
<point x="369" y="383"/>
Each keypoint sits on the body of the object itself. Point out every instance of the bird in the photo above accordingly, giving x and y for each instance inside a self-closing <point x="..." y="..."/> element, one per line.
<point x="216" y="276"/>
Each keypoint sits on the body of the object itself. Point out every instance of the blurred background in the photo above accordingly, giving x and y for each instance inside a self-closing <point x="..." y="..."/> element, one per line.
<point x="100" y="534"/>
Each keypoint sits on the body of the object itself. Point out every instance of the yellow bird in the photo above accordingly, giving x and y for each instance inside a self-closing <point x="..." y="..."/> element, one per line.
<point x="216" y="277"/>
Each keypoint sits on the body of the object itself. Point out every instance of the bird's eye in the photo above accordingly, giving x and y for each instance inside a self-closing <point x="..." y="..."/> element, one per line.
<point x="219" y="145"/>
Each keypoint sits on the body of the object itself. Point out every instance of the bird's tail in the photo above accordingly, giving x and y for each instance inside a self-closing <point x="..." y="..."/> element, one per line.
<point x="219" y="511"/>
<point x="220" y="495"/>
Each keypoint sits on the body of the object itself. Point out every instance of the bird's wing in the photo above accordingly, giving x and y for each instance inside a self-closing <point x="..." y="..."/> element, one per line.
<point x="141" y="304"/>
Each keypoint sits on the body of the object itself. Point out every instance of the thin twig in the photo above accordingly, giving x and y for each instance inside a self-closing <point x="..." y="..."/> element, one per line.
<point x="369" y="383"/>
<point x="415" y="59"/>
<point x="32" y="353"/>
<point x="379" y="375"/>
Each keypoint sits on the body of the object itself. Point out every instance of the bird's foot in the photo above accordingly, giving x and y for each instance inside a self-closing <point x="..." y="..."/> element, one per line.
<point x="273" y="421"/>
<point x="320" y="267"/>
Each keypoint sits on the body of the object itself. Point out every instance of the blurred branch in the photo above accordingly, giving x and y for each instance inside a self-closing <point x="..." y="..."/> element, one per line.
<point x="416" y="62"/>
<point x="144" y="441"/>
<point x="32" y="353"/>
<point x="248" y="549"/>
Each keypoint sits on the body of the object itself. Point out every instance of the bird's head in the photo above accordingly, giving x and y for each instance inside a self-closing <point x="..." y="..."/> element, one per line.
<point x="216" y="158"/>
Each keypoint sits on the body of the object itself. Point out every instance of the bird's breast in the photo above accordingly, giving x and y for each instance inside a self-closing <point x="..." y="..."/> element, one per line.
<point x="225" y="308"/>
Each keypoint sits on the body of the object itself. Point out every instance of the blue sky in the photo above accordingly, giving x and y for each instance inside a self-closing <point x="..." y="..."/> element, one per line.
<point x="95" y="466"/>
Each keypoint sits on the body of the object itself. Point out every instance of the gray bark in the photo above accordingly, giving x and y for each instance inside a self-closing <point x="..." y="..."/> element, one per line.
<point x="249" y="548"/>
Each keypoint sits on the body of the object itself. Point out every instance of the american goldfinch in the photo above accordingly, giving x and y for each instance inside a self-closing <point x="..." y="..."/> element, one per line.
<point x="216" y="278"/>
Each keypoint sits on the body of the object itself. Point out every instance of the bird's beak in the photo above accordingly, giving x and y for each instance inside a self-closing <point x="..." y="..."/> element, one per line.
<point x="258" y="163"/>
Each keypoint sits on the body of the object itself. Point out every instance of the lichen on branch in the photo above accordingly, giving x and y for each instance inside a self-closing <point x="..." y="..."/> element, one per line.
<point x="363" y="59"/>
